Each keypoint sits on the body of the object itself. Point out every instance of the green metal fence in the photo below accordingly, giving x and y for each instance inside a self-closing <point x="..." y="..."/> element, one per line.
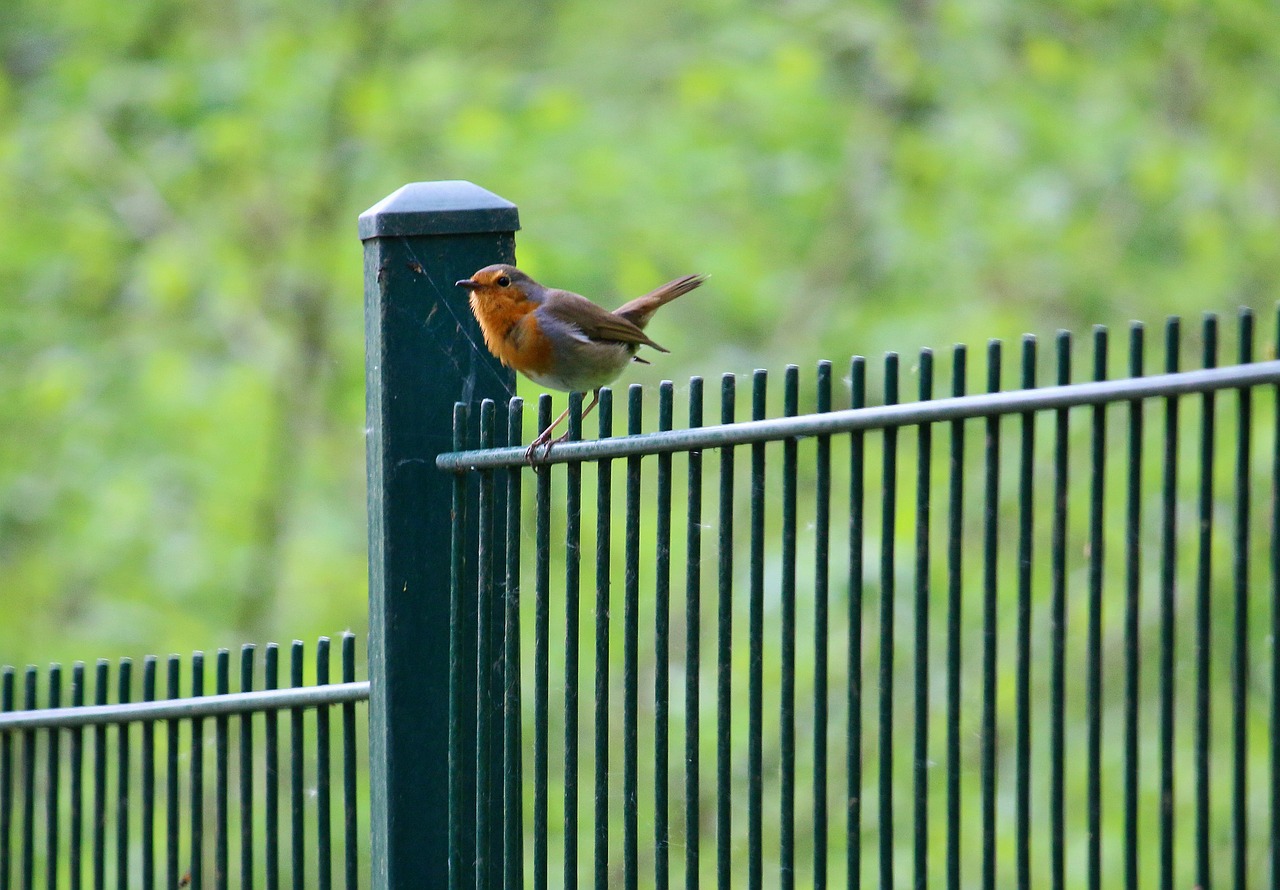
<point x="150" y="779"/>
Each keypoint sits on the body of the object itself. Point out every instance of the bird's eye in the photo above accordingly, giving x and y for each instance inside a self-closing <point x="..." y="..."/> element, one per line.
<point x="504" y="281"/>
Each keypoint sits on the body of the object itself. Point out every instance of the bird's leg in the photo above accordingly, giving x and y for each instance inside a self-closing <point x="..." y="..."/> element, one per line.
<point x="544" y="439"/>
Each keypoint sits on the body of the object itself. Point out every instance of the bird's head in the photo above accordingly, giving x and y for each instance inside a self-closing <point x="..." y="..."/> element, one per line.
<point x="501" y="284"/>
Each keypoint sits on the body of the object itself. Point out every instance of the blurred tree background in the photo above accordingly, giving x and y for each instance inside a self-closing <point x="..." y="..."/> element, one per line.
<point x="181" y="341"/>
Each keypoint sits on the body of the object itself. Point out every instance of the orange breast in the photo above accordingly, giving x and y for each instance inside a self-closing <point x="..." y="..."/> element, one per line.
<point x="512" y="333"/>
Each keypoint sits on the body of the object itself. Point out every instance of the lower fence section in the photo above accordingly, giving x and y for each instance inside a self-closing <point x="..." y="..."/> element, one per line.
<point x="158" y="775"/>
<point x="1006" y="644"/>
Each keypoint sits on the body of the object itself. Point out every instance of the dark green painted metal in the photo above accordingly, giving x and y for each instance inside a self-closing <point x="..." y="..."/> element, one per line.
<point x="457" y="670"/>
<point x="572" y="643"/>
<point x="990" y="539"/>
<point x="1240" y="657"/>
<point x="297" y="776"/>
<point x="853" y="755"/>
<point x="423" y="353"/>
<point x="172" y="820"/>
<point x="53" y="760"/>
<point x="821" y="629"/>
<point x="1022" y="651"/>
<point x="221" y="686"/>
<point x="693" y="649"/>
<point x="1058" y="623"/>
<point x="123" y="782"/>
<point x="149" y="779"/>
<point x="604" y="523"/>
<point x="1203" y="613"/>
<point x="755" y="641"/>
<point x="724" y="646"/>
<point x="1132" y="606"/>
<point x="247" y="652"/>
<point x="349" y="822"/>
<point x="888" y="521"/>
<point x="955" y="587"/>
<point x="101" y="677"/>
<point x="787" y="669"/>
<point x="1168" y="606"/>
<point x="324" y="837"/>
<point x="484" y="658"/>
<point x="75" y="765"/>
<point x="1093" y="644"/>
<point x="513" y="833"/>
<point x="920" y="758"/>
<point x="1275" y="622"/>
<point x="541" y="665"/>
<point x="271" y="757"/>
<point x="662" y="650"/>
<point x="6" y="780"/>
<point x="630" y="651"/>
<point x="29" y="784"/>
<point x="195" y="787"/>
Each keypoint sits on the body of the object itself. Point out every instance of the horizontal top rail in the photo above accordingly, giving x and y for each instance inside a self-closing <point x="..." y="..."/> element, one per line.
<point x="183" y="708"/>
<point x="877" y="417"/>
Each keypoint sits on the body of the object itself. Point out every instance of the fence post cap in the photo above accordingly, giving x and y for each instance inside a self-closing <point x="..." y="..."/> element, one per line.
<point x="450" y="207"/>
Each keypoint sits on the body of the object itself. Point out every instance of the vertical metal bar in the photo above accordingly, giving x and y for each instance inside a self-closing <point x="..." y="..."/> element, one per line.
<point x="6" y="779"/>
<point x="101" y="678"/>
<point x="512" y="801"/>
<point x="1133" y="582"/>
<point x="75" y="765"/>
<point x="1093" y="658"/>
<point x="221" y="686"/>
<point x="604" y="518"/>
<point x="324" y="837"/>
<point x="821" y="629"/>
<point x="755" y="662"/>
<point x="123" y="784"/>
<point x="787" y="715"/>
<point x="1203" y="874"/>
<point x="630" y="650"/>
<point x="853" y="755"/>
<point x="662" y="651"/>
<point x="350" y="839"/>
<point x="541" y="668"/>
<point x="271" y="771"/>
<point x="53" y="760"/>
<point x="888" y="524"/>
<point x="990" y="539"/>
<point x="1275" y="626"/>
<point x="484" y="657"/>
<point x="572" y="595"/>
<point x="457" y="571"/>
<point x="195" y="868"/>
<point x="955" y="586"/>
<point x="29" y="784"/>
<point x="724" y="646"/>
<point x="297" y="779"/>
<point x="920" y="766"/>
<point x="246" y="772"/>
<point x="1168" y="606"/>
<point x="1058" y="623"/>
<point x="1022" y="655"/>
<point x="1240" y="573"/>
<point x="693" y="648"/>
<point x="149" y="664"/>
<point x="172" y="816"/>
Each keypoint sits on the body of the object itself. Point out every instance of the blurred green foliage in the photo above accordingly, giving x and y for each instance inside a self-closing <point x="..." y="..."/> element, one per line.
<point x="181" y="371"/>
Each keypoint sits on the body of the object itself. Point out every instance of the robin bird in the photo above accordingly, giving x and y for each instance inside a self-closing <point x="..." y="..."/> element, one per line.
<point x="559" y="339"/>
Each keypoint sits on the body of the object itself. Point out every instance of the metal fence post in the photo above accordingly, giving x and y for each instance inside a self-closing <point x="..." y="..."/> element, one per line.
<point x="423" y="354"/>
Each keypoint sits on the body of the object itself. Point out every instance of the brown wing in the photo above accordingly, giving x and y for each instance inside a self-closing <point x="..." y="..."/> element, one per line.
<point x="594" y="322"/>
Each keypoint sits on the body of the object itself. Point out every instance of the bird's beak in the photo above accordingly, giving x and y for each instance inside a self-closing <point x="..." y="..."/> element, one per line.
<point x="467" y="283"/>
